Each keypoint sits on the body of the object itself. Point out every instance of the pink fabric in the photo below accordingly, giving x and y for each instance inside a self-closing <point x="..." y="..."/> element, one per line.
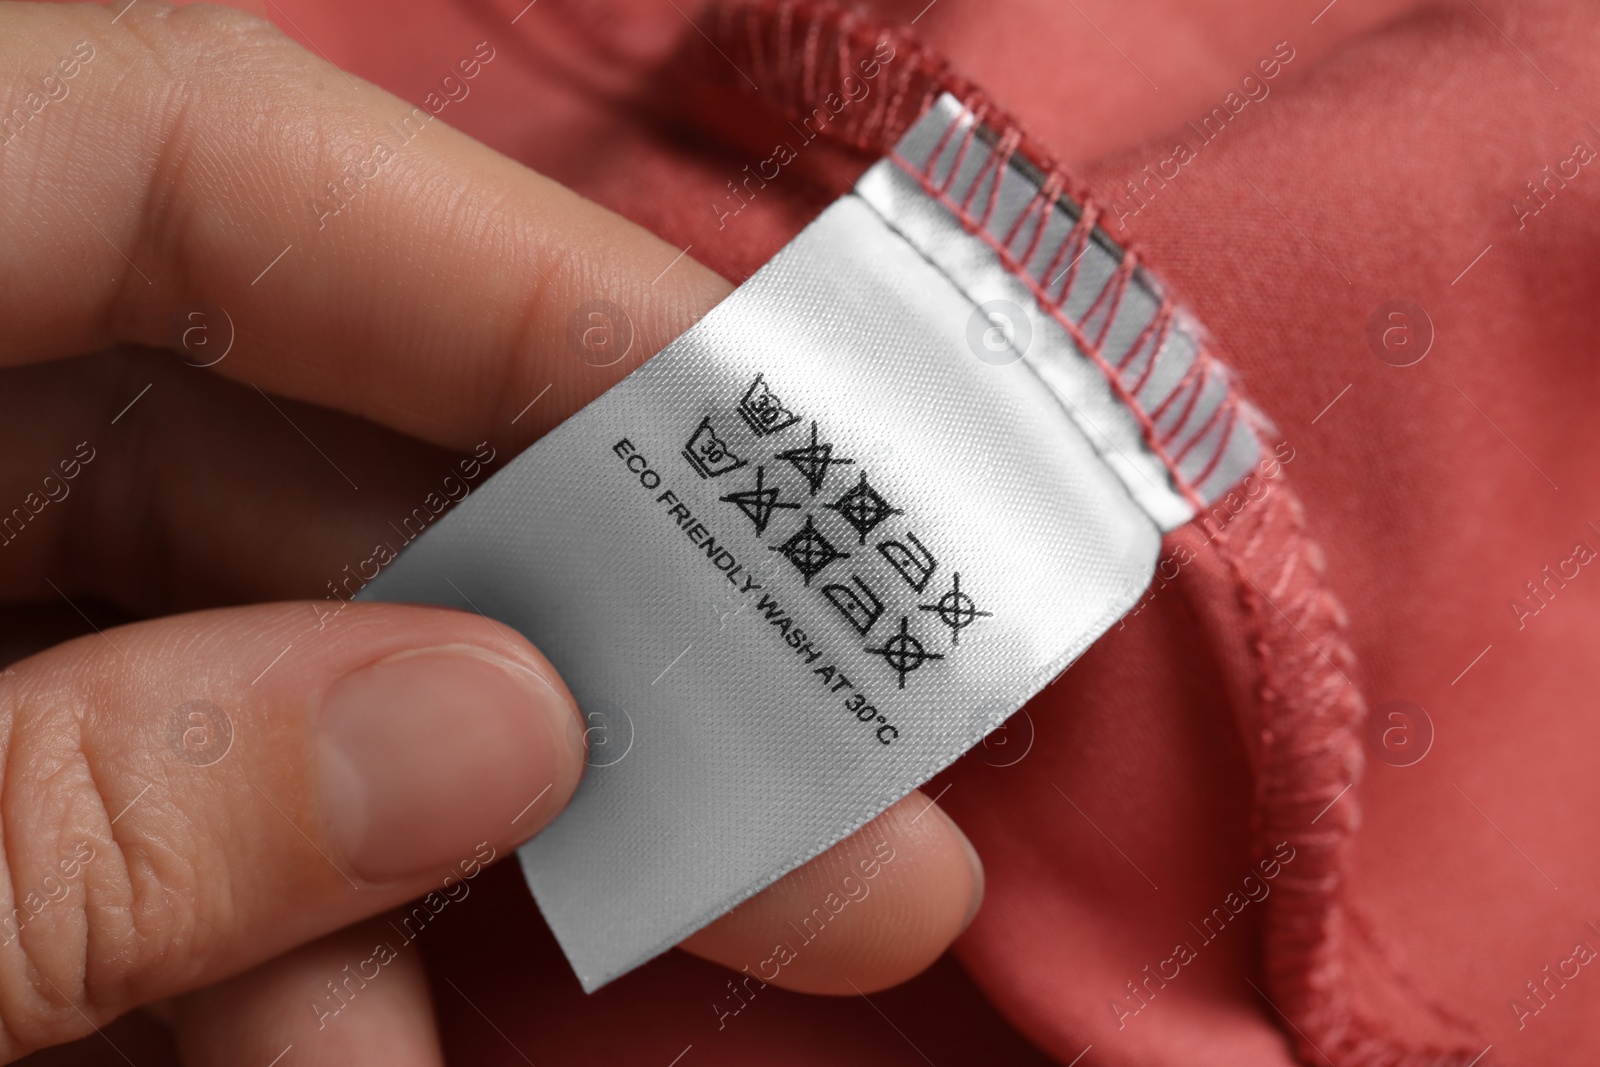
<point x="1382" y="164"/>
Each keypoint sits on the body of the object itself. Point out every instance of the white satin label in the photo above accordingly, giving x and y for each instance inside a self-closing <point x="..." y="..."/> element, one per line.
<point x="791" y="567"/>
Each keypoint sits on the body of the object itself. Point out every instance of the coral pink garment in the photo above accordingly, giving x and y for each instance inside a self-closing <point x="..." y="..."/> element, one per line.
<point x="1379" y="163"/>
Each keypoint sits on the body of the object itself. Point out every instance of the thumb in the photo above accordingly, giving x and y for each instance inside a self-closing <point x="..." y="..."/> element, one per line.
<point x="183" y="798"/>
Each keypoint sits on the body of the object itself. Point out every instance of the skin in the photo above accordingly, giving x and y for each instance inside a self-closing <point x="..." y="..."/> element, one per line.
<point x="398" y="335"/>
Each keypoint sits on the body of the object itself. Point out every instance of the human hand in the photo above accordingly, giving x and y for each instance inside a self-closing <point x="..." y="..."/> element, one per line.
<point x="198" y="804"/>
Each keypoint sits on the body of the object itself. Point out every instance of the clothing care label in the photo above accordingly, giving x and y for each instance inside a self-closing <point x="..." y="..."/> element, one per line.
<point x="814" y="550"/>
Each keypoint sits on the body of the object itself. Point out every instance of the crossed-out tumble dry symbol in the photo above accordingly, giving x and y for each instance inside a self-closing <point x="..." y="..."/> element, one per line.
<point x="809" y="550"/>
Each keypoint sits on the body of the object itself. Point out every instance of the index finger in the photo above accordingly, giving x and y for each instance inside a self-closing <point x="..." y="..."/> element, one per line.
<point x="370" y="258"/>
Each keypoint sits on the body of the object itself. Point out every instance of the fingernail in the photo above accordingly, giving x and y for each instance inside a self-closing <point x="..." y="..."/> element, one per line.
<point x="422" y="756"/>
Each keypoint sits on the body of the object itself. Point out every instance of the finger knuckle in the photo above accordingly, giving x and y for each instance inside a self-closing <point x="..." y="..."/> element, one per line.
<point x="85" y="895"/>
<point x="230" y="112"/>
<point x="201" y="86"/>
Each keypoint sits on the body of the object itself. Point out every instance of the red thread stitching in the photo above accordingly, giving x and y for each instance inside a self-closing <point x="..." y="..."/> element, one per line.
<point x="1155" y="351"/>
<point x="1089" y="349"/>
<point x="1309" y="719"/>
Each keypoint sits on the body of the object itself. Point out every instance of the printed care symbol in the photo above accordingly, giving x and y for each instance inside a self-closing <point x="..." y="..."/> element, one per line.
<point x="763" y="412"/>
<point x="914" y="562"/>
<point x="808" y="550"/>
<point x="862" y="508"/>
<point x="860" y="606"/>
<point x="902" y="652"/>
<point x="709" y="454"/>
<point x="759" y="503"/>
<point x="812" y="461"/>
<point x="956" y="609"/>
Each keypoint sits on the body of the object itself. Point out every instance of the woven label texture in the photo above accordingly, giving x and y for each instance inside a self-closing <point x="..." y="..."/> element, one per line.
<point x="802" y="559"/>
